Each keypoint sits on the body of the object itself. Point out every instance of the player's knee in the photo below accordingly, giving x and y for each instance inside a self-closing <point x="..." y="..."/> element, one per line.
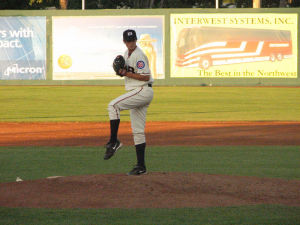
<point x="110" y="107"/>
<point x="139" y="138"/>
<point x="113" y="111"/>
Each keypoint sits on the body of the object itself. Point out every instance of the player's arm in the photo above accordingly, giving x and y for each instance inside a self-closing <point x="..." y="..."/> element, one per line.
<point x="142" y="72"/>
<point x="135" y="76"/>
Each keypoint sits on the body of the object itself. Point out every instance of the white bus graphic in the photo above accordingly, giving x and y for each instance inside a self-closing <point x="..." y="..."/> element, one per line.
<point x="208" y="46"/>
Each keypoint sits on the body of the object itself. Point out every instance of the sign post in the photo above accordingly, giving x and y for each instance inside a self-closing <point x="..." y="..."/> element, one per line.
<point x="256" y="3"/>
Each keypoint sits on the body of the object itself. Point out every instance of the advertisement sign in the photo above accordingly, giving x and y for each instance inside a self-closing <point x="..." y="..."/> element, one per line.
<point x="85" y="47"/>
<point x="22" y="48"/>
<point x="234" y="45"/>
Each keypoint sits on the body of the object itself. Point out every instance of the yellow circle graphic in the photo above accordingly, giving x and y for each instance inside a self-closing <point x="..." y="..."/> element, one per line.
<point x="65" y="61"/>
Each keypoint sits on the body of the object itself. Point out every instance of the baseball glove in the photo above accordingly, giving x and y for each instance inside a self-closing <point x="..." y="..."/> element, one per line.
<point x="119" y="65"/>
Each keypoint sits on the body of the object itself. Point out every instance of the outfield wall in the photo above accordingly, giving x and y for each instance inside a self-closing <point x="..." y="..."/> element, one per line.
<point x="199" y="47"/>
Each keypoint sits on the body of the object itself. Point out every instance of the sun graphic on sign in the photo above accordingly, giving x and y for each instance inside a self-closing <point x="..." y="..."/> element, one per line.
<point x="65" y="61"/>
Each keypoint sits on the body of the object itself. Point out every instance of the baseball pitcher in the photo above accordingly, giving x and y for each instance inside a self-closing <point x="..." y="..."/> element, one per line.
<point x="134" y="67"/>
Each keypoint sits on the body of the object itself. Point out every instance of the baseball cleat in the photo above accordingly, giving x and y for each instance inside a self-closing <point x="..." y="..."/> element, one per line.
<point x="111" y="149"/>
<point x="138" y="170"/>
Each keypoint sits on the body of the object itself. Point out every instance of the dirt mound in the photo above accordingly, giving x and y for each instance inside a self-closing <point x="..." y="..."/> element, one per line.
<point x="154" y="190"/>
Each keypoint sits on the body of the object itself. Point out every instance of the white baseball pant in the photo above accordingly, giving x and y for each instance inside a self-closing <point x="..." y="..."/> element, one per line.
<point x="137" y="101"/>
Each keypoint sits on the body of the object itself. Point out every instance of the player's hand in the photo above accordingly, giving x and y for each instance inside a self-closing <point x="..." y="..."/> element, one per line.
<point x="122" y="72"/>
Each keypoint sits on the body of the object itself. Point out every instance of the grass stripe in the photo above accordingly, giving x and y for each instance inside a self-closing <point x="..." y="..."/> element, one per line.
<point x="89" y="103"/>
<point x="40" y="162"/>
<point x="260" y="214"/>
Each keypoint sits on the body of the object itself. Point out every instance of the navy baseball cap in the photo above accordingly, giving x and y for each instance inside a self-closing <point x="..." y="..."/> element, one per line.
<point x="129" y="35"/>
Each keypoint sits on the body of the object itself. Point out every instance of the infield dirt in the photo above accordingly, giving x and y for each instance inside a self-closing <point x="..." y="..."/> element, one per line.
<point x="157" y="133"/>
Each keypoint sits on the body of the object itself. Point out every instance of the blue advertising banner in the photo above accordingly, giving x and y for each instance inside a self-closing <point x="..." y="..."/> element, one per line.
<point x="22" y="48"/>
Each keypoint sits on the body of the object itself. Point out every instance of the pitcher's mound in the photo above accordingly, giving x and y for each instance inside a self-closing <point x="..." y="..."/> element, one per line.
<point x="154" y="190"/>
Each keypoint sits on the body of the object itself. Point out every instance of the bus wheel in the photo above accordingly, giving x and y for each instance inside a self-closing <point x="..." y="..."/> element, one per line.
<point x="205" y="63"/>
<point x="279" y="57"/>
<point x="272" y="57"/>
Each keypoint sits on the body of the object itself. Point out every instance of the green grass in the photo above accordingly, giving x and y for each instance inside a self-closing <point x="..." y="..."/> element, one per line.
<point x="89" y="103"/>
<point x="41" y="162"/>
<point x="277" y="215"/>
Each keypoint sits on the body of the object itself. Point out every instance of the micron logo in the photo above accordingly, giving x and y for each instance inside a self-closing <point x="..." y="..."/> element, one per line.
<point x="15" y="69"/>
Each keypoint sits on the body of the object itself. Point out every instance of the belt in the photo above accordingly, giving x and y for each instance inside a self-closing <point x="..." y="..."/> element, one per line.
<point x="149" y="85"/>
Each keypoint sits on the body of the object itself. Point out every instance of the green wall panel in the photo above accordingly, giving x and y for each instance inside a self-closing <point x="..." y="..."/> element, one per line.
<point x="168" y="81"/>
